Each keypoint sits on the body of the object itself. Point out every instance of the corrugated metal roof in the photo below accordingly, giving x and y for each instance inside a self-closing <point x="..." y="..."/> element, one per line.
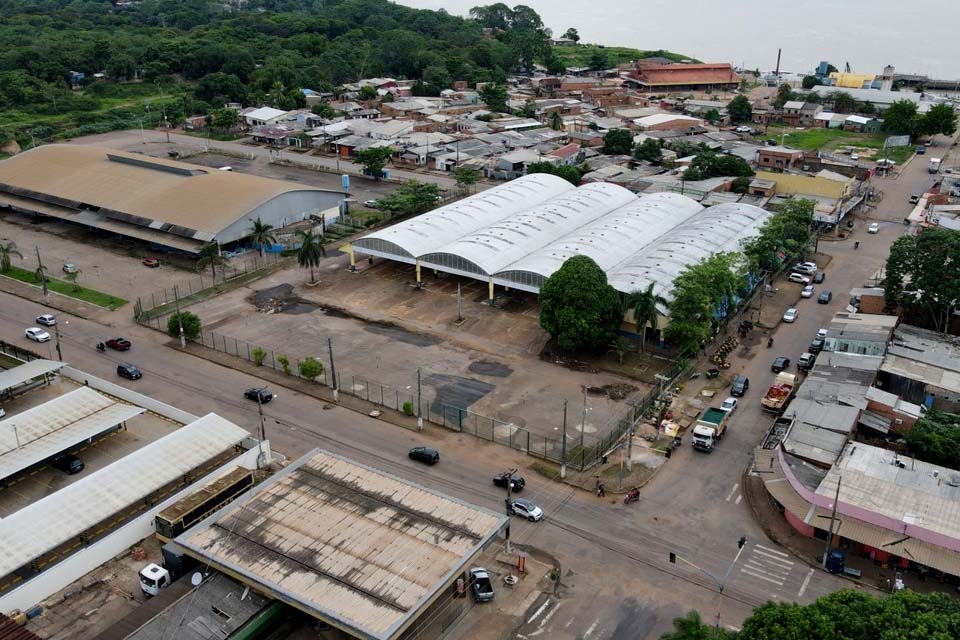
<point x="36" y="434"/>
<point x="27" y="371"/>
<point x="10" y="630"/>
<point x="900" y="545"/>
<point x="353" y="546"/>
<point x="45" y="524"/>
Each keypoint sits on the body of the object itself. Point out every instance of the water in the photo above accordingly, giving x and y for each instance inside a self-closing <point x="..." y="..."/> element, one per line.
<point x="915" y="37"/>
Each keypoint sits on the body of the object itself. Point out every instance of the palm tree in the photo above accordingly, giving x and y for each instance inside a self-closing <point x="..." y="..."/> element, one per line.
<point x="262" y="234"/>
<point x="72" y="277"/>
<point x="310" y="251"/>
<point x="644" y="305"/>
<point x="8" y="250"/>
<point x="210" y="257"/>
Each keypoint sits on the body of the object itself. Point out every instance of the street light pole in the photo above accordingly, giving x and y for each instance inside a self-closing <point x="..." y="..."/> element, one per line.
<point x="563" y="444"/>
<point x="722" y="583"/>
<point x="176" y="301"/>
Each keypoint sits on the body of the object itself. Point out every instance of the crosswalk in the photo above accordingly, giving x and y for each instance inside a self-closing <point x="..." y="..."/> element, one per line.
<point x="771" y="567"/>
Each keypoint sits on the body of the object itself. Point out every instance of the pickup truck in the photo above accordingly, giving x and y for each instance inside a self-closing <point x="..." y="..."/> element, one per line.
<point x="120" y="344"/>
<point x="779" y="393"/>
<point x="709" y="428"/>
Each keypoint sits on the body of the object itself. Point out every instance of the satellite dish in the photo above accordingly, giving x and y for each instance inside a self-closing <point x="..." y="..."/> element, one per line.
<point x="196" y="578"/>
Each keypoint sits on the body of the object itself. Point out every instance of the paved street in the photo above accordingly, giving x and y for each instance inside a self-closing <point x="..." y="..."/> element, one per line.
<point x="617" y="581"/>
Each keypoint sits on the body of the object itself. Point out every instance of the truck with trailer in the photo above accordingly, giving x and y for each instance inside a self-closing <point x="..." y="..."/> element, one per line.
<point x="779" y="393"/>
<point x="709" y="428"/>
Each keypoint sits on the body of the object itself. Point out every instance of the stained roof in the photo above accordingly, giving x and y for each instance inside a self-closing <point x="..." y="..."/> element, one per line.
<point x="27" y="371"/>
<point x="182" y="199"/>
<point x="358" y="548"/>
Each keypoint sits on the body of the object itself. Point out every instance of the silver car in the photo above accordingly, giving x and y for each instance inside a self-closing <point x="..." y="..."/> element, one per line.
<point x="526" y="509"/>
<point x="790" y="315"/>
<point x="37" y="334"/>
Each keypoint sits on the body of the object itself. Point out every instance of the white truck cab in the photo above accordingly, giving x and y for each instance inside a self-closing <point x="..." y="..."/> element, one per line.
<point x="704" y="437"/>
<point x="153" y="578"/>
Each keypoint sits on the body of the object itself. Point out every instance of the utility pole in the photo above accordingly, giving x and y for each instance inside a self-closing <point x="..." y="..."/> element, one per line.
<point x="833" y="515"/>
<point x="563" y="444"/>
<point x="510" y="473"/>
<point x="633" y="421"/>
<point x="741" y="543"/>
<point x="176" y="302"/>
<point x="263" y="430"/>
<point x="583" y="421"/>
<point x="43" y="276"/>
<point x="419" y="403"/>
<point x="333" y="371"/>
<point x="56" y="332"/>
<point x="459" y="307"/>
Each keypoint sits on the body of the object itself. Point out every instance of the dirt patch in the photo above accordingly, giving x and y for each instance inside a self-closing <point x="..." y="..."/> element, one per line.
<point x="456" y="391"/>
<point x="619" y="391"/>
<point x="281" y="299"/>
<point x="489" y="368"/>
<point x="401" y="335"/>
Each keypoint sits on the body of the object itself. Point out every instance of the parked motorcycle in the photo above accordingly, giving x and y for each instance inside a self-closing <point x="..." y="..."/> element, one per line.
<point x="101" y="347"/>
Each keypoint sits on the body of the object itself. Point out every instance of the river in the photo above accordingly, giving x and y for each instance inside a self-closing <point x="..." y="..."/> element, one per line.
<point x="915" y="37"/>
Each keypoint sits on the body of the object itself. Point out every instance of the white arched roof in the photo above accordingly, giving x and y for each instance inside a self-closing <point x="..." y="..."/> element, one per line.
<point x="718" y="229"/>
<point x="490" y="249"/>
<point x="611" y="238"/>
<point x="428" y="232"/>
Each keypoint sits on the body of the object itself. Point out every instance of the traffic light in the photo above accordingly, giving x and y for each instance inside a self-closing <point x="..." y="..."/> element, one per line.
<point x="742" y="541"/>
<point x="673" y="558"/>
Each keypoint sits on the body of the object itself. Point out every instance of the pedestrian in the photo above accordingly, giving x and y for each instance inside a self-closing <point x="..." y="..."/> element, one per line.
<point x="601" y="491"/>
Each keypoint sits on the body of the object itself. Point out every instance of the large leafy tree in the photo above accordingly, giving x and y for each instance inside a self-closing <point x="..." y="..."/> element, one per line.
<point x="923" y="277"/>
<point x="617" y="142"/>
<point x="740" y="109"/>
<point x="842" y="101"/>
<point x="649" y="150"/>
<point x="578" y="307"/>
<point x="374" y="159"/>
<point x="495" y="97"/>
<point x="710" y="165"/>
<point x="410" y="197"/>
<point x="935" y="438"/>
<point x="787" y="231"/>
<point x="941" y="118"/>
<point x="901" y="119"/>
<point x="785" y="94"/>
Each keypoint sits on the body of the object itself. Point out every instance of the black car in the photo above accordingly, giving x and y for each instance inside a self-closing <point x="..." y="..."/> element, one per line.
<point x="425" y="454"/>
<point x="816" y="346"/>
<point x="68" y="463"/>
<point x="819" y="277"/>
<point x="261" y="393"/>
<point x="739" y="386"/>
<point x="128" y="371"/>
<point x="517" y="483"/>
<point x="780" y="364"/>
<point x="825" y="297"/>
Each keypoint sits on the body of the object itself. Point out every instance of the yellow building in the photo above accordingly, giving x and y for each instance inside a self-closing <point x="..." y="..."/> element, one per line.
<point x="852" y="80"/>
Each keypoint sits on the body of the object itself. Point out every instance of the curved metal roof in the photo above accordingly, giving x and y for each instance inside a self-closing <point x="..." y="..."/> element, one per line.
<point x="611" y="238"/>
<point x="428" y="232"/>
<point x="718" y="229"/>
<point x="499" y="245"/>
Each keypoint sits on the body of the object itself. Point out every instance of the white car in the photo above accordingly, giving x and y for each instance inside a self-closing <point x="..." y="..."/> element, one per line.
<point x="370" y="203"/>
<point x="46" y="320"/>
<point x="728" y="405"/>
<point x="854" y="156"/>
<point x="742" y="129"/>
<point x="821" y="333"/>
<point x="790" y="314"/>
<point x="874" y="228"/>
<point x="37" y="334"/>
<point x="526" y="509"/>
<point x="805" y="267"/>
<point x="799" y="278"/>
<point x="807" y="291"/>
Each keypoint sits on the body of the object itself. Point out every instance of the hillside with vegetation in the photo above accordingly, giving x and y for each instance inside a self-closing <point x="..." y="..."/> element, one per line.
<point x="170" y="59"/>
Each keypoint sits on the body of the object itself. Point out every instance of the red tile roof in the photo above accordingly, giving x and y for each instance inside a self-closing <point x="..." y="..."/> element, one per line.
<point x="566" y="151"/>
<point x="10" y="630"/>
<point x="683" y="74"/>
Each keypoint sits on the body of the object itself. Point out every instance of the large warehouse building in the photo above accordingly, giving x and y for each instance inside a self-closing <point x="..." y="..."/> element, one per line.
<point x="518" y="234"/>
<point x="170" y="204"/>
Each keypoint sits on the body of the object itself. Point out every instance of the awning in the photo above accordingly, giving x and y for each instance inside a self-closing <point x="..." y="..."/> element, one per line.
<point x="875" y="421"/>
<point x="28" y="371"/>
<point x="900" y="545"/>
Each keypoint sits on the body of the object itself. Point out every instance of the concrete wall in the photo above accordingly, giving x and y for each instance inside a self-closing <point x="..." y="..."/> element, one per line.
<point x="799" y="185"/>
<point x="86" y="560"/>
<point x="115" y="390"/>
<point x="281" y="211"/>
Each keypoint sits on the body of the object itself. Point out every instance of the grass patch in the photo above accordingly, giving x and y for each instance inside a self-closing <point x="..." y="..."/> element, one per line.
<point x="579" y="55"/>
<point x="221" y="136"/>
<point x="545" y="469"/>
<point x="834" y="140"/>
<point x="65" y="288"/>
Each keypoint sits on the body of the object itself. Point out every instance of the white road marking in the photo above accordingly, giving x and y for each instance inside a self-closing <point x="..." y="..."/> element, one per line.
<point x="570" y="622"/>
<point x="536" y="614"/>
<point x="769" y="558"/>
<point x="779" y="553"/>
<point x="732" y="491"/>
<point x="767" y="569"/>
<point x="590" y="629"/>
<point x="806" y="581"/>
<point x="739" y="498"/>
<point x="762" y="577"/>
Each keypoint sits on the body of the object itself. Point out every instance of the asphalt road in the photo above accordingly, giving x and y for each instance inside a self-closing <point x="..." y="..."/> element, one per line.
<point x="617" y="580"/>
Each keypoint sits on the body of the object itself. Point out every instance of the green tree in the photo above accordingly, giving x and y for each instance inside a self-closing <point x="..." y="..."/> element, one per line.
<point x="258" y="354"/>
<point x="941" y="118"/>
<point x="617" y="142"/>
<point x="784" y="95"/>
<point x="8" y="249"/>
<point x="72" y="279"/>
<point x="701" y="293"/>
<point x="368" y="92"/>
<point x="373" y="160"/>
<point x="210" y="256"/>
<point x="842" y="101"/>
<point x="556" y="121"/>
<point x="712" y="165"/>
<point x="191" y="325"/>
<point x="901" y="119"/>
<point x="284" y="364"/>
<point x="225" y="118"/>
<point x="571" y="34"/>
<point x="809" y="82"/>
<point x="570" y="174"/>
<point x="578" y="307"/>
<point x="409" y="198"/>
<point x="598" y="60"/>
<point x="740" y="185"/>
<point x="541" y="167"/>
<point x="495" y="97"/>
<point x="923" y="279"/>
<point x="649" y="150"/>
<point x="310" y="251"/>
<point x="740" y="110"/>
<point x="324" y="110"/>
<point x="935" y="438"/>
<point x="528" y="110"/>
<point x="691" y="627"/>
<point x="644" y="306"/>
<point x="466" y="178"/>
<point x="712" y="116"/>
<point x="262" y="235"/>
<point x="310" y="368"/>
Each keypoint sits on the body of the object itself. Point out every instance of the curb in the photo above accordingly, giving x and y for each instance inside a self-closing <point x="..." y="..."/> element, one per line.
<point x="52" y="301"/>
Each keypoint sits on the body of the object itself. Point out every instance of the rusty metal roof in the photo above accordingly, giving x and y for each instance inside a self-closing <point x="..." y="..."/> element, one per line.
<point x="358" y="548"/>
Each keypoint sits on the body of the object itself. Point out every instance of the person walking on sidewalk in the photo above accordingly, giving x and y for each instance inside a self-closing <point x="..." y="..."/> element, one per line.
<point x="600" y="490"/>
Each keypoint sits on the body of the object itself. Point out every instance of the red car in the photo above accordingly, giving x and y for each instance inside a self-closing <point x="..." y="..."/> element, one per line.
<point x="153" y="263"/>
<point x="120" y="344"/>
